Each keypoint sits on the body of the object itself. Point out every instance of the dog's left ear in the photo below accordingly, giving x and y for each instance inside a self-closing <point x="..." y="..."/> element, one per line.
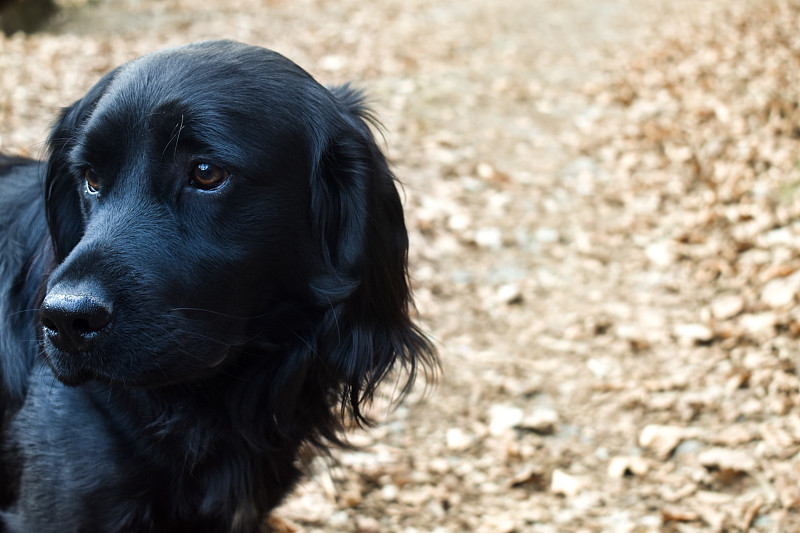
<point x="62" y="203"/>
<point x="358" y="216"/>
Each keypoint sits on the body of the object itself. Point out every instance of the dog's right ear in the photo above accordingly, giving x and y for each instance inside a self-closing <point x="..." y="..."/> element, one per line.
<point x="62" y="202"/>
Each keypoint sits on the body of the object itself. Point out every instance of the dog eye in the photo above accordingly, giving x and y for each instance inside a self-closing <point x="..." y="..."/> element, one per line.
<point x="92" y="183"/>
<point x="206" y="176"/>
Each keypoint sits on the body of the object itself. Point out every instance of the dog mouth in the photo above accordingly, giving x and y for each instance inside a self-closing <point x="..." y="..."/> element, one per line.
<point x="88" y="335"/>
<point x="171" y="366"/>
<point x="67" y="367"/>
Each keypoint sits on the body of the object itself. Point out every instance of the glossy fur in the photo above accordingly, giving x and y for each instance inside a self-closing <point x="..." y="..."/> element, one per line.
<point x="240" y="324"/>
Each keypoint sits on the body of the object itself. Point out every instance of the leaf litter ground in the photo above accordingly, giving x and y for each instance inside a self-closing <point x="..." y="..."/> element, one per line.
<point x="603" y="203"/>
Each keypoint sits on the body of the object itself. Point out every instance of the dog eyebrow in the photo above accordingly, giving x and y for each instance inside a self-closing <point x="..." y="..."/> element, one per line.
<point x="76" y="157"/>
<point x="176" y="136"/>
<point x="216" y="144"/>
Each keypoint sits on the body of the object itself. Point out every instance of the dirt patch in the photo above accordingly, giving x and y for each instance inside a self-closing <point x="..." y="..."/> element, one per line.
<point x="603" y="205"/>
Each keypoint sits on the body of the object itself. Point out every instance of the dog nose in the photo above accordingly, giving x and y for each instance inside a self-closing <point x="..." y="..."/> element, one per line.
<point x="72" y="320"/>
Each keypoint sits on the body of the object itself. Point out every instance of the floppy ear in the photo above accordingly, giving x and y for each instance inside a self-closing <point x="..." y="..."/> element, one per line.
<point x="359" y="220"/>
<point x="62" y="202"/>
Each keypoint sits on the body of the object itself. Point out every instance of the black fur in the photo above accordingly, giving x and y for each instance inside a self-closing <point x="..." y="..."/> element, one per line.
<point x="194" y="340"/>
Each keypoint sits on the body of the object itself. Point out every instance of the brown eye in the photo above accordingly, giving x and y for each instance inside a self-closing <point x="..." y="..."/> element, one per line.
<point x="206" y="176"/>
<point x="92" y="184"/>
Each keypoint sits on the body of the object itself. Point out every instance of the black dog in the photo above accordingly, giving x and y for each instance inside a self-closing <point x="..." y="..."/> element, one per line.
<point x="210" y="278"/>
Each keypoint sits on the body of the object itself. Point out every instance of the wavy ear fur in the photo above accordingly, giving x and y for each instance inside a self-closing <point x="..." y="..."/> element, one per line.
<point x="62" y="203"/>
<point x="367" y="330"/>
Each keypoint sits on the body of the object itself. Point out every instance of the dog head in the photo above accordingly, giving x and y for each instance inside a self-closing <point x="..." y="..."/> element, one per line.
<point x="209" y="199"/>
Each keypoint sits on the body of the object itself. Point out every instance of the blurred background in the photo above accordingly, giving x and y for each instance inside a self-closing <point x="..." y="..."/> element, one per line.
<point x="604" y="207"/>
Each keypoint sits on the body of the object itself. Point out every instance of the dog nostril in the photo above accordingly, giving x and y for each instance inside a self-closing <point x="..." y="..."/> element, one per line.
<point x="82" y="326"/>
<point x="49" y="324"/>
<point x="97" y="317"/>
<point x="71" y="321"/>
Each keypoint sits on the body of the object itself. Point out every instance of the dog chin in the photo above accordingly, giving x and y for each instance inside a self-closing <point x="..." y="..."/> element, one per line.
<point x="74" y="369"/>
<point x="70" y="374"/>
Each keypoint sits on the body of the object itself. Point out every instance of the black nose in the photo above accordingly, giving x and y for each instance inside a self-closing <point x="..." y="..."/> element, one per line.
<point x="73" y="320"/>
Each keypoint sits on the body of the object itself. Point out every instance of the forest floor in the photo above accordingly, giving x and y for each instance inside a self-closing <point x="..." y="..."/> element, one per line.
<point x="604" y="207"/>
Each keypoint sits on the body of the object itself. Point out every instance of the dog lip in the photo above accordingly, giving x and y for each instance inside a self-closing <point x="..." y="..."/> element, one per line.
<point x="74" y="368"/>
<point x="71" y="377"/>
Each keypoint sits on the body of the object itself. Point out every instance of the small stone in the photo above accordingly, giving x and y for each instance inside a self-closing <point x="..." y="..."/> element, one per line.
<point x="498" y="524"/>
<point x="727" y="459"/>
<point x="351" y="498"/>
<point x="338" y="520"/>
<point x="489" y="237"/>
<point x="566" y="484"/>
<point x="389" y="492"/>
<point x="471" y="184"/>
<point x="531" y="477"/>
<point x="670" y="514"/>
<point x="459" y="222"/>
<point x="727" y="306"/>
<point x="503" y="418"/>
<point x="779" y="236"/>
<point x="510" y="294"/>
<point x="600" y="367"/>
<point x="485" y="171"/>
<point x="458" y="440"/>
<point x="627" y="466"/>
<point x="366" y="524"/>
<point x="688" y="448"/>
<point x="628" y="332"/>
<point x="780" y="292"/>
<point x="546" y="235"/>
<point x="661" y="440"/>
<point x="333" y="62"/>
<point x="661" y="254"/>
<point x="759" y="325"/>
<point x="693" y="332"/>
<point x="542" y="420"/>
<point x="547" y="278"/>
<point x="439" y="465"/>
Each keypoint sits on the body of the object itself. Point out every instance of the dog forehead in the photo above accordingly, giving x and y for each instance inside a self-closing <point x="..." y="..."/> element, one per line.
<point x="158" y="80"/>
<point x="216" y="84"/>
<point x="216" y="73"/>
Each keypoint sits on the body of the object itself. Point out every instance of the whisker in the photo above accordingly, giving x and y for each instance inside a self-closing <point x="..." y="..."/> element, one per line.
<point x="218" y="313"/>
<point x="176" y="135"/>
<point x="22" y="312"/>
<point x="177" y="139"/>
<point x="186" y="352"/>
<point x="157" y="365"/>
<point x="175" y="332"/>
<point x="30" y="342"/>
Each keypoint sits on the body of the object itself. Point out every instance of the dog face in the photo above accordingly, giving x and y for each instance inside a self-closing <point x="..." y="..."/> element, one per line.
<point x="206" y="198"/>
